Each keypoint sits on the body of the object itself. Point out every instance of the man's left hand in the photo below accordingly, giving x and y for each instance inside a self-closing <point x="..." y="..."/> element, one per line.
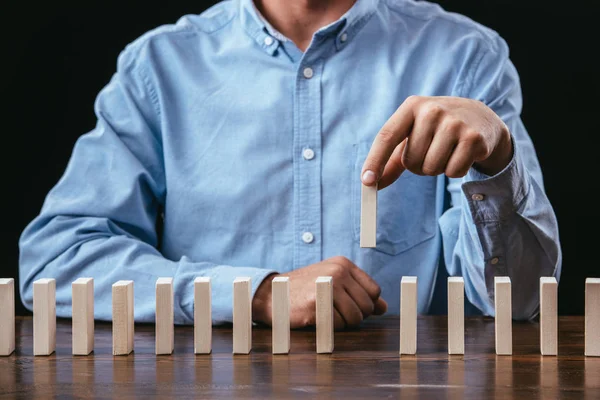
<point x="436" y="135"/>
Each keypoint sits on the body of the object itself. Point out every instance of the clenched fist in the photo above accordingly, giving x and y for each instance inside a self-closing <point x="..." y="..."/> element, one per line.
<point x="355" y="294"/>
<point x="438" y="135"/>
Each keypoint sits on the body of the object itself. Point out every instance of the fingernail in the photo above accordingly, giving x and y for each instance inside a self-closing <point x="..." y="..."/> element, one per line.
<point x="369" y="177"/>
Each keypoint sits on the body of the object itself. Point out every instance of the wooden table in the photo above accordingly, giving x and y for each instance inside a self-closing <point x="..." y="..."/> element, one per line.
<point x="365" y="364"/>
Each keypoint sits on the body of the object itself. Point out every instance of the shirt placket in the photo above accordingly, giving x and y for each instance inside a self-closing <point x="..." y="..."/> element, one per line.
<point x="307" y="162"/>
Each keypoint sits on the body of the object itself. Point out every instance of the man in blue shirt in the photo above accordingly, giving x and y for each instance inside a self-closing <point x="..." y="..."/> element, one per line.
<point x="247" y="131"/>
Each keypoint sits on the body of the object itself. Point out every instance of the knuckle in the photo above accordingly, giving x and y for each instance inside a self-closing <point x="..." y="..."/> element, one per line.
<point x="338" y="260"/>
<point x="377" y="292"/>
<point x="431" y="110"/>
<point x="338" y="270"/>
<point x="412" y="163"/>
<point x="412" y="99"/>
<point x="345" y="260"/>
<point x="431" y="170"/>
<point x="475" y="138"/>
<point x="453" y="125"/>
<point x="386" y="136"/>
<point x="308" y="319"/>
<point x="368" y="310"/>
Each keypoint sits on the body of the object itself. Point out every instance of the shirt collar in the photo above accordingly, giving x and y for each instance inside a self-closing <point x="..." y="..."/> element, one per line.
<point x="345" y="28"/>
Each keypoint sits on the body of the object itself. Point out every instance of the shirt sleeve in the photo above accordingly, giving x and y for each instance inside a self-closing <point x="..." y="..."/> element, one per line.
<point x="502" y="225"/>
<point x="99" y="220"/>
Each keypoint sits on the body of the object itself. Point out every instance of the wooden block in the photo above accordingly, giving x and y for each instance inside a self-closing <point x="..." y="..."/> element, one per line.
<point x="242" y="316"/>
<point x="122" y="315"/>
<point x="165" y="328"/>
<point x="408" y="315"/>
<point x="83" y="316"/>
<point x="324" y="310"/>
<point x="548" y="316"/>
<point x="280" y="311"/>
<point x="7" y="316"/>
<point x="503" y="322"/>
<point x="592" y="317"/>
<point x="44" y="317"/>
<point x="456" y="315"/>
<point x="368" y="216"/>
<point x="202" y="316"/>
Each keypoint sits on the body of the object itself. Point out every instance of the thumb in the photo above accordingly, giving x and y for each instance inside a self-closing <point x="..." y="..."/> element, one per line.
<point x="394" y="167"/>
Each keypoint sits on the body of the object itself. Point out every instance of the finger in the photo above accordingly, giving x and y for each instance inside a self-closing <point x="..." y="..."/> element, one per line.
<point x="393" y="168"/>
<point x="460" y="161"/>
<point x="338" y="321"/>
<point x="381" y="306"/>
<point x="360" y="297"/>
<point x="347" y="308"/>
<point x="417" y="144"/>
<point x="439" y="152"/>
<point x="364" y="280"/>
<point x="394" y="131"/>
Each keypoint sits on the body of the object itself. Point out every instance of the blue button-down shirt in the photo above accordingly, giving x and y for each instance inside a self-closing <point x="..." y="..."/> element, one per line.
<point x="248" y="153"/>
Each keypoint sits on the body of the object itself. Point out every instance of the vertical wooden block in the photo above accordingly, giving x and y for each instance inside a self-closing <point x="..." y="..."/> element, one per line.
<point x="592" y="317"/>
<point x="456" y="315"/>
<point x="202" y="316"/>
<point x="408" y="315"/>
<point x="165" y="328"/>
<point x="83" y="316"/>
<point x="548" y="316"/>
<point x="280" y="311"/>
<point x="503" y="322"/>
<point x="324" y="310"/>
<point x="368" y="216"/>
<point x="242" y="316"/>
<point x="7" y="316"/>
<point x="44" y="317"/>
<point x="122" y="315"/>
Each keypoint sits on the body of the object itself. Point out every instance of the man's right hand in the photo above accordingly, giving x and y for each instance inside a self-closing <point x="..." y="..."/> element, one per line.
<point x="355" y="294"/>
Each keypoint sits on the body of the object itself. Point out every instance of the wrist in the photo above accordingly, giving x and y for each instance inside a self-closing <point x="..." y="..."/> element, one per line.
<point x="261" y="302"/>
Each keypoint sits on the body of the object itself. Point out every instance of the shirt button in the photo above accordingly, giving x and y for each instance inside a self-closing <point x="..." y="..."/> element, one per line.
<point x="494" y="260"/>
<point x="308" y="154"/>
<point x="268" y="40"/>
<point x="307" y="237"/>
<point x="344" y="37"/>
<point x="308" y="72"/>
<point x="477" y="197"/>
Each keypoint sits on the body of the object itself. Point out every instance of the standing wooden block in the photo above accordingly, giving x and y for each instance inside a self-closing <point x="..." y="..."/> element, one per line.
<point x="456" y="315"/>
<point x="368" y="216"/>
<point x="83" y="316"/>
<point x="592" y="317"/>
<point x="202" y="316"/>
<point x="44" y="317"/>
<point x="122" y="315"/>
<point x="408" y="315"/>
<point x="7" y="316"/>
<point x="548" y="316"/>
<point x="324" y="310"/>
<point x="503" y="304"/>
<point x="242" y="316"/>
<point x="280" y="310"/>
<point x="165" y="329"/>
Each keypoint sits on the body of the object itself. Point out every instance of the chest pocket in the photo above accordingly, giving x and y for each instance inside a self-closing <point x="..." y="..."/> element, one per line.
<point x="406" y="214"/>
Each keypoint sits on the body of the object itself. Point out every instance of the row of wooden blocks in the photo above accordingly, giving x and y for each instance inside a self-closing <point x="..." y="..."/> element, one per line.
<point x="44" y="316"/>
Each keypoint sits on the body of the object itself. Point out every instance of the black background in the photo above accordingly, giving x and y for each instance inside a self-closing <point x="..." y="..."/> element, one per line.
<point x="55" y="57"/>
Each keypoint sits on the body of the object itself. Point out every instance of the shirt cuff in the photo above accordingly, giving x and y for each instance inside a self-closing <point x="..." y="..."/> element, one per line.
<point x="222" y="277"/>
<point x="495" y="198"/>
